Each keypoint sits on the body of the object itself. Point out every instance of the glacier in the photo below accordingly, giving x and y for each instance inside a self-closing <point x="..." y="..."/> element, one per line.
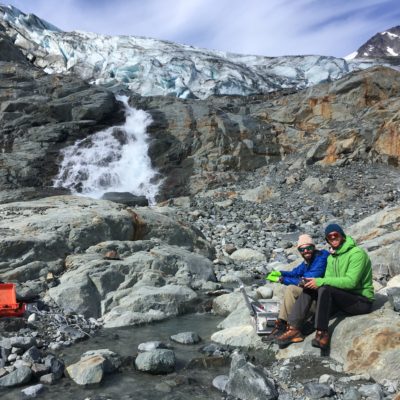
<point x="151" y="67"/>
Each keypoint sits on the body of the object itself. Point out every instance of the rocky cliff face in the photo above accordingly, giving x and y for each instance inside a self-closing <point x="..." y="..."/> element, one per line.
<point x="39" y="115"/>
<point x="200" y="144"/>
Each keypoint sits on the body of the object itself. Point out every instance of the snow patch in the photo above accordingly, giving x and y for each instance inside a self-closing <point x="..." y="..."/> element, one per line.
<point x="391" y="35"/>
<point x="391" y="51"/>
<point x="351" y="56"/>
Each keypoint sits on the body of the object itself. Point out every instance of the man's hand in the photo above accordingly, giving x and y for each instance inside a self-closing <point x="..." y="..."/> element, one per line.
<point x="273" y="276"/>
<point x="310" y="283"/>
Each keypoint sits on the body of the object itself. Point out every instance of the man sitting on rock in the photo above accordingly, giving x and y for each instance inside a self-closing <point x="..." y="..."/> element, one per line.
<point x="346" y="286"/>
<point x="314" y="265"/>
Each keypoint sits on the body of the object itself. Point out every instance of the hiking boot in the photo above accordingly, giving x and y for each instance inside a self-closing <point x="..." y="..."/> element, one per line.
<point x="279" y="328"/>
<point x="291" y="335"/>
<point x="321" y="340"/>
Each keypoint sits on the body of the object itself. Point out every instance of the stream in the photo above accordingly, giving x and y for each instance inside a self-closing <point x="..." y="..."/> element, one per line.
<point x="187" y="382"/>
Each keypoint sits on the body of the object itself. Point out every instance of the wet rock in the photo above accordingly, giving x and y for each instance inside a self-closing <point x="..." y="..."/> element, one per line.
<point x="32" y="391"/>
<point x="126" y="198"/>
<point x="113" y="360"/>
<point x="55" y="365"/>
<point x="32" y="355"/>
<point x="39" y="370"/>
<point x="18" y="377"/>
<point x="74" y="334"/>
<point x="156" y="361"/>
<point x="48" y="379"/>
<point x="220" y="382"/>
<point x="87" y="371"/>
<point x="186" y="338"/>
<point x="20" y="342"/>
<point x="212" y="349"/>
<point x="153" y="345"/>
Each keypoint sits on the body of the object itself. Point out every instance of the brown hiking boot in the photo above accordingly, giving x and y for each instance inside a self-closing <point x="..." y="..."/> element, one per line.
<point x="291" y="335"/>
<point x="279" y="328"/>
<point x="321" y="340"/>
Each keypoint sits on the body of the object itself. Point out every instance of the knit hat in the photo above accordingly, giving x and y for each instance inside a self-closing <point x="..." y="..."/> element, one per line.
<point x="305" y="239"/>
<point x="334" y="228"/>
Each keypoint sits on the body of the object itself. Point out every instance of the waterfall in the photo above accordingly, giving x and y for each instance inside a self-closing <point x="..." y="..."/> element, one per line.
<point x="112" y="160"/>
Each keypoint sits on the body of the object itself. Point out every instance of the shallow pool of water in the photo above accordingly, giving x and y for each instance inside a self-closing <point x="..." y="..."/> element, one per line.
<point x="185" y="383"/>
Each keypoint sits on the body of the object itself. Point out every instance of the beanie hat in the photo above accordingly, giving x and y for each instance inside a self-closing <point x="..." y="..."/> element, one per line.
<point x="334" y="228"/>
<point x="305" y="239"/>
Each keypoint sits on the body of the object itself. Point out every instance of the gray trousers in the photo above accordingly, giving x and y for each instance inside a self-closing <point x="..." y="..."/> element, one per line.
<point x="329" y="300"/>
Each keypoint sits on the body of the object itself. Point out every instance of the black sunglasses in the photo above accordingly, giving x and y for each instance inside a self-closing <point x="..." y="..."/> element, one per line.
<point x="307" y="248"/>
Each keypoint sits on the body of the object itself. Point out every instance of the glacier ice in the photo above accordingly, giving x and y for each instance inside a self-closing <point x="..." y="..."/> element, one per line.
<point x="155" y="67"/>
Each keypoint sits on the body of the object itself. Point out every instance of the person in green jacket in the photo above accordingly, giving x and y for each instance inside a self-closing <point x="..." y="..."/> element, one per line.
<point x="346" y="286"/>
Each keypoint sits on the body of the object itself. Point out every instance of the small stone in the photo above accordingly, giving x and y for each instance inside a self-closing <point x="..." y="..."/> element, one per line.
<point x="111" y="255"/>
<point x="32" y="391"/>
<point x="317" y="390"/>
<point x="152" y="345"/>
<point x="326" y="379"/>
<point x="186" y="338"/>
<point x="219" y="382"/>
<point x="32" y="318"/>
<point x="48" y="379"/>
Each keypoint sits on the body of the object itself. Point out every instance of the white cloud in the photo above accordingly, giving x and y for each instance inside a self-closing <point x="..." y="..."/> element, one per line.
<point x="271" y="28"/>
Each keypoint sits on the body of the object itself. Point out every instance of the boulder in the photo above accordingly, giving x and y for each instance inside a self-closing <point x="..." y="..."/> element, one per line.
<point x="87" y="371"/>
<point x="150" y="224"/>
<point x="126" y="198"/>
<point x="248" y="255"/>
<point x="18" y="377"/>
<point x="247" y="381"/>
<point x="380" y="236"/>
<point x="36" y="234"/>
<point x="149" y="281"/>
<point x="158" y="361"/>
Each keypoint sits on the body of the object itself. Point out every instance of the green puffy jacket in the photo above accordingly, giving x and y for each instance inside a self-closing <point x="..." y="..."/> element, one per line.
<point x="349" y="268"/>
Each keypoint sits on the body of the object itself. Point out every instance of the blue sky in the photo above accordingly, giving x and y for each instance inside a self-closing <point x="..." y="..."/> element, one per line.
<point x="265" y="27"/>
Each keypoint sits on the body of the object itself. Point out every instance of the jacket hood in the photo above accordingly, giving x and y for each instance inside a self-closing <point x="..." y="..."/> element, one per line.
<point x="348" y="244"/>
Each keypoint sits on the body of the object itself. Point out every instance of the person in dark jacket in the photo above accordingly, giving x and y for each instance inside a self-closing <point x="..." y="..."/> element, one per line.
<point x="346" y="286"/>
<point x="313" y="266"/>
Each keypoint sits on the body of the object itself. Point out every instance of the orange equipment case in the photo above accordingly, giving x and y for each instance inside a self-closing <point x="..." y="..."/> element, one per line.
<point x="8" y="301"/>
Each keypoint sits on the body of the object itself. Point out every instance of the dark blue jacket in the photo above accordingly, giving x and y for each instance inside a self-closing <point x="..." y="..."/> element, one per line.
<point x="314" y="270"/>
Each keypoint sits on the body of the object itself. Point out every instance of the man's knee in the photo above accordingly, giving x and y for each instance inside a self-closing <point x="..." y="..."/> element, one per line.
<point x="294" y="291"/>
<point x="325" y="290"/>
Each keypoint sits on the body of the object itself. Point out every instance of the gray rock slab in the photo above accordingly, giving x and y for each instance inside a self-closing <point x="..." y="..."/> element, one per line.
<point x="18" y="377"/>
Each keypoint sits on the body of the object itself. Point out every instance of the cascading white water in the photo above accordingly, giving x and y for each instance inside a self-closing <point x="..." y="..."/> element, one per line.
<point x="113" y="160"/>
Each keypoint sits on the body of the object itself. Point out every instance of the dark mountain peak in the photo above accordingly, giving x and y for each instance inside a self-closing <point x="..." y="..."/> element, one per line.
<point x="383" y="44"/>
